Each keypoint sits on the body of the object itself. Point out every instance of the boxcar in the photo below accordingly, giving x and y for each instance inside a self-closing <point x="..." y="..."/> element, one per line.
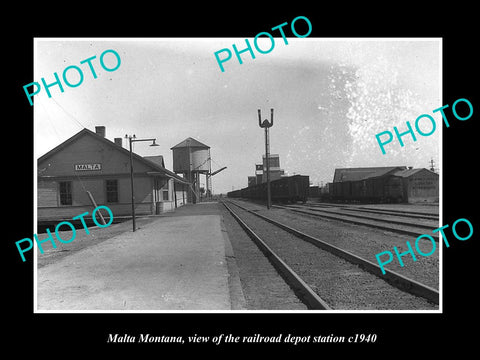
<point x="341" y="191"/>
<point x="290" y="188"/>
<point x="379" y="189"/>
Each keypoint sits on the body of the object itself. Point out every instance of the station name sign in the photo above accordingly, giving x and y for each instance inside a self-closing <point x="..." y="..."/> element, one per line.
<point x="88" y="167"/>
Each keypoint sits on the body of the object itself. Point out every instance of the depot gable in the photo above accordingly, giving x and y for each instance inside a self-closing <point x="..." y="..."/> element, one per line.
<point x="87" y="153"/>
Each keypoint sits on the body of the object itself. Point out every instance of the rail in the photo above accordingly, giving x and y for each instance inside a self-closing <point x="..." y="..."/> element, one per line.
<point x="361" y="216"/>
<point x="404" y="213"/>
<point x="399" y="281"/>
<point x="301" y="289"/>
<point x="349" y="218"/>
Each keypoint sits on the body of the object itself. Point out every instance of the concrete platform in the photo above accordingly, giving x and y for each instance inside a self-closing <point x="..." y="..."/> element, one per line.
<point x="177" y="262"/>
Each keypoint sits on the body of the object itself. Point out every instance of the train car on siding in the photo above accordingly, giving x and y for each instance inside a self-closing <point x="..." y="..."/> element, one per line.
<point x="286" y="189"/>
<point x="376" y="184"/>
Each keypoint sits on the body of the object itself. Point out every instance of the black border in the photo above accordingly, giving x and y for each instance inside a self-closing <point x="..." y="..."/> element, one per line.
<point x="86" y="333"/>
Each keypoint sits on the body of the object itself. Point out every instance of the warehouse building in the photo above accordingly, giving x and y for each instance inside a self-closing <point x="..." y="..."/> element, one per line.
<point x="362" y="173"/>
<point x="393" y="183"/>
<point x="419" y="185"/>
<point x="88" y="168"/>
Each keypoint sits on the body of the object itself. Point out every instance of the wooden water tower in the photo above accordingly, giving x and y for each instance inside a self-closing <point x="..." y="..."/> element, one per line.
<point x="191" y="158"/>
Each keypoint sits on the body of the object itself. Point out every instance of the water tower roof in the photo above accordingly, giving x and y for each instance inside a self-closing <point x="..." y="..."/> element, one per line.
<point x="190" y="142"/>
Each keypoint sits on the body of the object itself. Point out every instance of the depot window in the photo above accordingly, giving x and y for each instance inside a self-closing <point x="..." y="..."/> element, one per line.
<point x="112" y="191"/>
<point x="165" y="195"/>
<point x="65" y="192"/>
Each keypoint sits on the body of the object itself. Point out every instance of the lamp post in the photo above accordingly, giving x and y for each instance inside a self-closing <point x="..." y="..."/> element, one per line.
<point x="132" y="139"/>
<point x="266" y="125"/>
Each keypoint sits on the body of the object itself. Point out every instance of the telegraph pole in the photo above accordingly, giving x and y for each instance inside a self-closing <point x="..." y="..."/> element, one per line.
<point x="266" y="125"/>
<point x="132" y="139"/>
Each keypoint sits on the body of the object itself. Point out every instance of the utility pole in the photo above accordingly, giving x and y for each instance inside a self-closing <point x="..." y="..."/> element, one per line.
<point x="132" y="139"/>
<point x="266" y="125"/>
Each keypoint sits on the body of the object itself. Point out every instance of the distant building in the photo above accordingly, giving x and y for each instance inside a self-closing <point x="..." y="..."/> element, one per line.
<point x="362" y="173"/>
<point x="259" y="173"/>
<point x="393" y="183"/>
<point x="419" y="185"/>
<point x="275" y="171"/>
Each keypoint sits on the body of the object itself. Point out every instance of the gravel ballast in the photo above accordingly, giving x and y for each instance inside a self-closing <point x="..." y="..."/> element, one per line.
<point x="341" y="284"/>
<point x="363" y="241"/>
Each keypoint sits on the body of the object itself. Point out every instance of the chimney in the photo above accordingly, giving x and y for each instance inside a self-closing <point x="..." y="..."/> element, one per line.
<point x="118" y="141"/>
<point x="100" y="130"/>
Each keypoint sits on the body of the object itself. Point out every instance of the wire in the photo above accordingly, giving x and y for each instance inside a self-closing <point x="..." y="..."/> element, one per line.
<point x="50" y="120"/>
<point x="218" y="165"/>
<point x="70" y="115"/>
<point x="202" y="163"/>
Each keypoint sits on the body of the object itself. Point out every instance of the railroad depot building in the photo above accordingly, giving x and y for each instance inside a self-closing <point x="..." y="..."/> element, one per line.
<point x="88" y="167"/>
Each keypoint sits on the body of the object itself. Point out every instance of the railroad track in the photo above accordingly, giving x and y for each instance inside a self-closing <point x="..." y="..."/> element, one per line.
<point x="403" y="213"/>
<point x="392" y="222"/>
<point x="331" y="278"/>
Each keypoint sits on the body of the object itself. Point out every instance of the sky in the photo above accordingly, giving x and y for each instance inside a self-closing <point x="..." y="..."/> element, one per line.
<point x="330" y="98"/>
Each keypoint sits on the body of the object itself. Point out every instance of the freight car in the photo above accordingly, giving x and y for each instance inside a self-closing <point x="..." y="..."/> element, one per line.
<point x="286" y="189"/>
<point x="377" y="189"/>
